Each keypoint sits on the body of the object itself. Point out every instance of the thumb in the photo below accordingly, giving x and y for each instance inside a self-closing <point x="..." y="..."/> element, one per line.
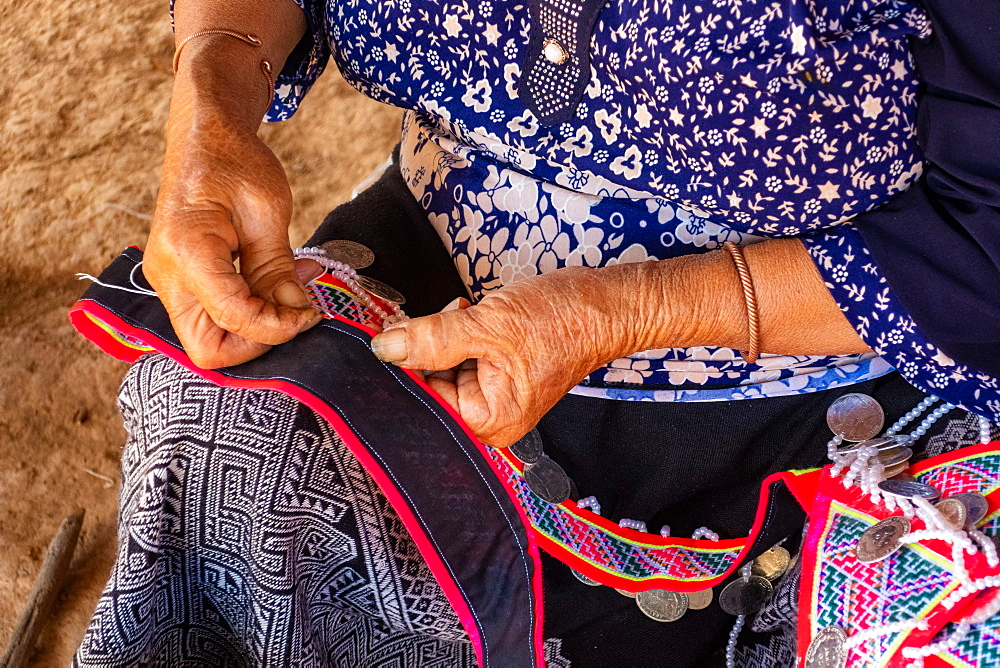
<point x="269" y="268"/>
<point x="435" y="342"/>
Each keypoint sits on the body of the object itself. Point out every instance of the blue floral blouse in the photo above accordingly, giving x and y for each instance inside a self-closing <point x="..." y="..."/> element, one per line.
<point x="701" y="122"/>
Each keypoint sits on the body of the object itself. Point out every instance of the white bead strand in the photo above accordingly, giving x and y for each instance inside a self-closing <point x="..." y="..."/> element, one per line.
<point x="731" y="645"/>
<point x="985" y="429"/>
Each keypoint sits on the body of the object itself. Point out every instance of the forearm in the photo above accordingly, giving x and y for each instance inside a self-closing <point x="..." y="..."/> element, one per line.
<point x="219" y="76"/>
<point x="697" y="300"/>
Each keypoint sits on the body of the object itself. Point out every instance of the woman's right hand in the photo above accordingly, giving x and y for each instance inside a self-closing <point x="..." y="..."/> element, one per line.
<point x="224" y="196"/>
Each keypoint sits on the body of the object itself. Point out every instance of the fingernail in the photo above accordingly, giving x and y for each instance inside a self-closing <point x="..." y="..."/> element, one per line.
<point x="291" y="295"/>
<point x="390" y="346"/>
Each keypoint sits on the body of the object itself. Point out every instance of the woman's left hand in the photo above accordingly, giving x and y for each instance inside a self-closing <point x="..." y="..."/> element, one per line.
<point x="507" y="360"/>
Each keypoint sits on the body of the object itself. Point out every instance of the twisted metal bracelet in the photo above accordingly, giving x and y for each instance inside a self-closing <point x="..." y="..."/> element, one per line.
<point x="750" y="299"/>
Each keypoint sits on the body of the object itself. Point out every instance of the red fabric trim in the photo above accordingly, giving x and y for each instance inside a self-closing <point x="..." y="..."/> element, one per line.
<point x="78" y="317"/>
<point x="800" y="483"/>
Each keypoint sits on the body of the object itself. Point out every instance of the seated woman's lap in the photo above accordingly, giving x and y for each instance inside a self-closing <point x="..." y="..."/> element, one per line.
<point x="242" y="515"/>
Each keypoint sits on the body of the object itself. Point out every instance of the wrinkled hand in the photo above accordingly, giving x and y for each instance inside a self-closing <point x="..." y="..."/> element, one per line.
<point x="225" y="196"/>
<point x="505" y="362"/>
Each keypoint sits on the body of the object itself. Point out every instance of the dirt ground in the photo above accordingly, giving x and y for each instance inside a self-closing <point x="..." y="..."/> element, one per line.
<point x="84" y="93"/>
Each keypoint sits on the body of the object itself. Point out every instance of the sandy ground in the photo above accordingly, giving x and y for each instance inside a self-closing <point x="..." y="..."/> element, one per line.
<point x="84" y="93"/>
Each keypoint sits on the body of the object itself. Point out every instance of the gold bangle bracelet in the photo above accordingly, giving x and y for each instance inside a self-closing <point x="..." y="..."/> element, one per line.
<point x="246" y="38"/>
<point x="750" y="300"/>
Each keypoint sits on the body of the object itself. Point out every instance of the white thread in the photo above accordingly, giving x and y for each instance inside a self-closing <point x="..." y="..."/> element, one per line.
<point x="139" y="290"/>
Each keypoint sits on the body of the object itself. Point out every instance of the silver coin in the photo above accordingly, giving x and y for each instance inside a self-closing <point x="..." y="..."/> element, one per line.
<point x="745" y="597"/>
<point x="954" y="512"/>
<point x="896" y="472"/>
<point x="882" y="443"/>
<point x="584" y="579"/>
<point x="772" y="564"/>
<point x="909" y="489"/>
<point x="856" y="417"/>
<point x="663" y="606"/>
<point x="529" y="448"/>
<point x="355" y="255"/>
<point x="881" y="539"/>
<point x="895" y="456"/>
<point x="699" y="600"/>
<point x="976" y="506"/>
<point x="380" y="289"/>
<point x="626" y="593"/>
<point x="828" y="649"/>
<point x="548" y="480"/>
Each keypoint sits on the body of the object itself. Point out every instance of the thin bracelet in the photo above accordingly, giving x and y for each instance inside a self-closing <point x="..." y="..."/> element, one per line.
<point x="246" y="38"/>
<point x="750" y="299"/>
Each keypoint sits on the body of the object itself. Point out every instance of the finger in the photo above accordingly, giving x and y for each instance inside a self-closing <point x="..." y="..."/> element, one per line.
<point x="227" y="298"/>
<point x="487" y="415"/>
<point x="434" y="342"/>
<point x="446" y="389"/>
<point x="268" y="266"/>
<point x="206" y="344"/>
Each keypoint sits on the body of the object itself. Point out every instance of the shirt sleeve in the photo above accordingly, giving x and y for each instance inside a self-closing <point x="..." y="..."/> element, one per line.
<point x="919" y="278"/>
<point x="872" y="305"/>
<point x="304" y="65"/>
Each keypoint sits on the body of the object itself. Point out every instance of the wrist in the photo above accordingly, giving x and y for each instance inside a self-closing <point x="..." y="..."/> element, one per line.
<point x="219" y="77"/>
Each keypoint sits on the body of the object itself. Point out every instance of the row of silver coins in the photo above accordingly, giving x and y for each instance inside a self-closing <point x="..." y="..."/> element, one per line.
<point x="742" y="596"/>
<point x="960" y="511"/>
<point x="550" y="482"/>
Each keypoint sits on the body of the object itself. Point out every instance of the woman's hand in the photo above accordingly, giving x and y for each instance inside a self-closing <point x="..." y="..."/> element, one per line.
<point x="506" y="361"/>
<point x="224" y="196"/>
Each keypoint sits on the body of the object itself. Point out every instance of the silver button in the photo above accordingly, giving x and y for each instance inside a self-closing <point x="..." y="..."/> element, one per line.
<point x="554" y="52"/>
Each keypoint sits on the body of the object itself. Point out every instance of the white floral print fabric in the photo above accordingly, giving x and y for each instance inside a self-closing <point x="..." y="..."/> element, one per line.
<point x="702" y="122"/>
